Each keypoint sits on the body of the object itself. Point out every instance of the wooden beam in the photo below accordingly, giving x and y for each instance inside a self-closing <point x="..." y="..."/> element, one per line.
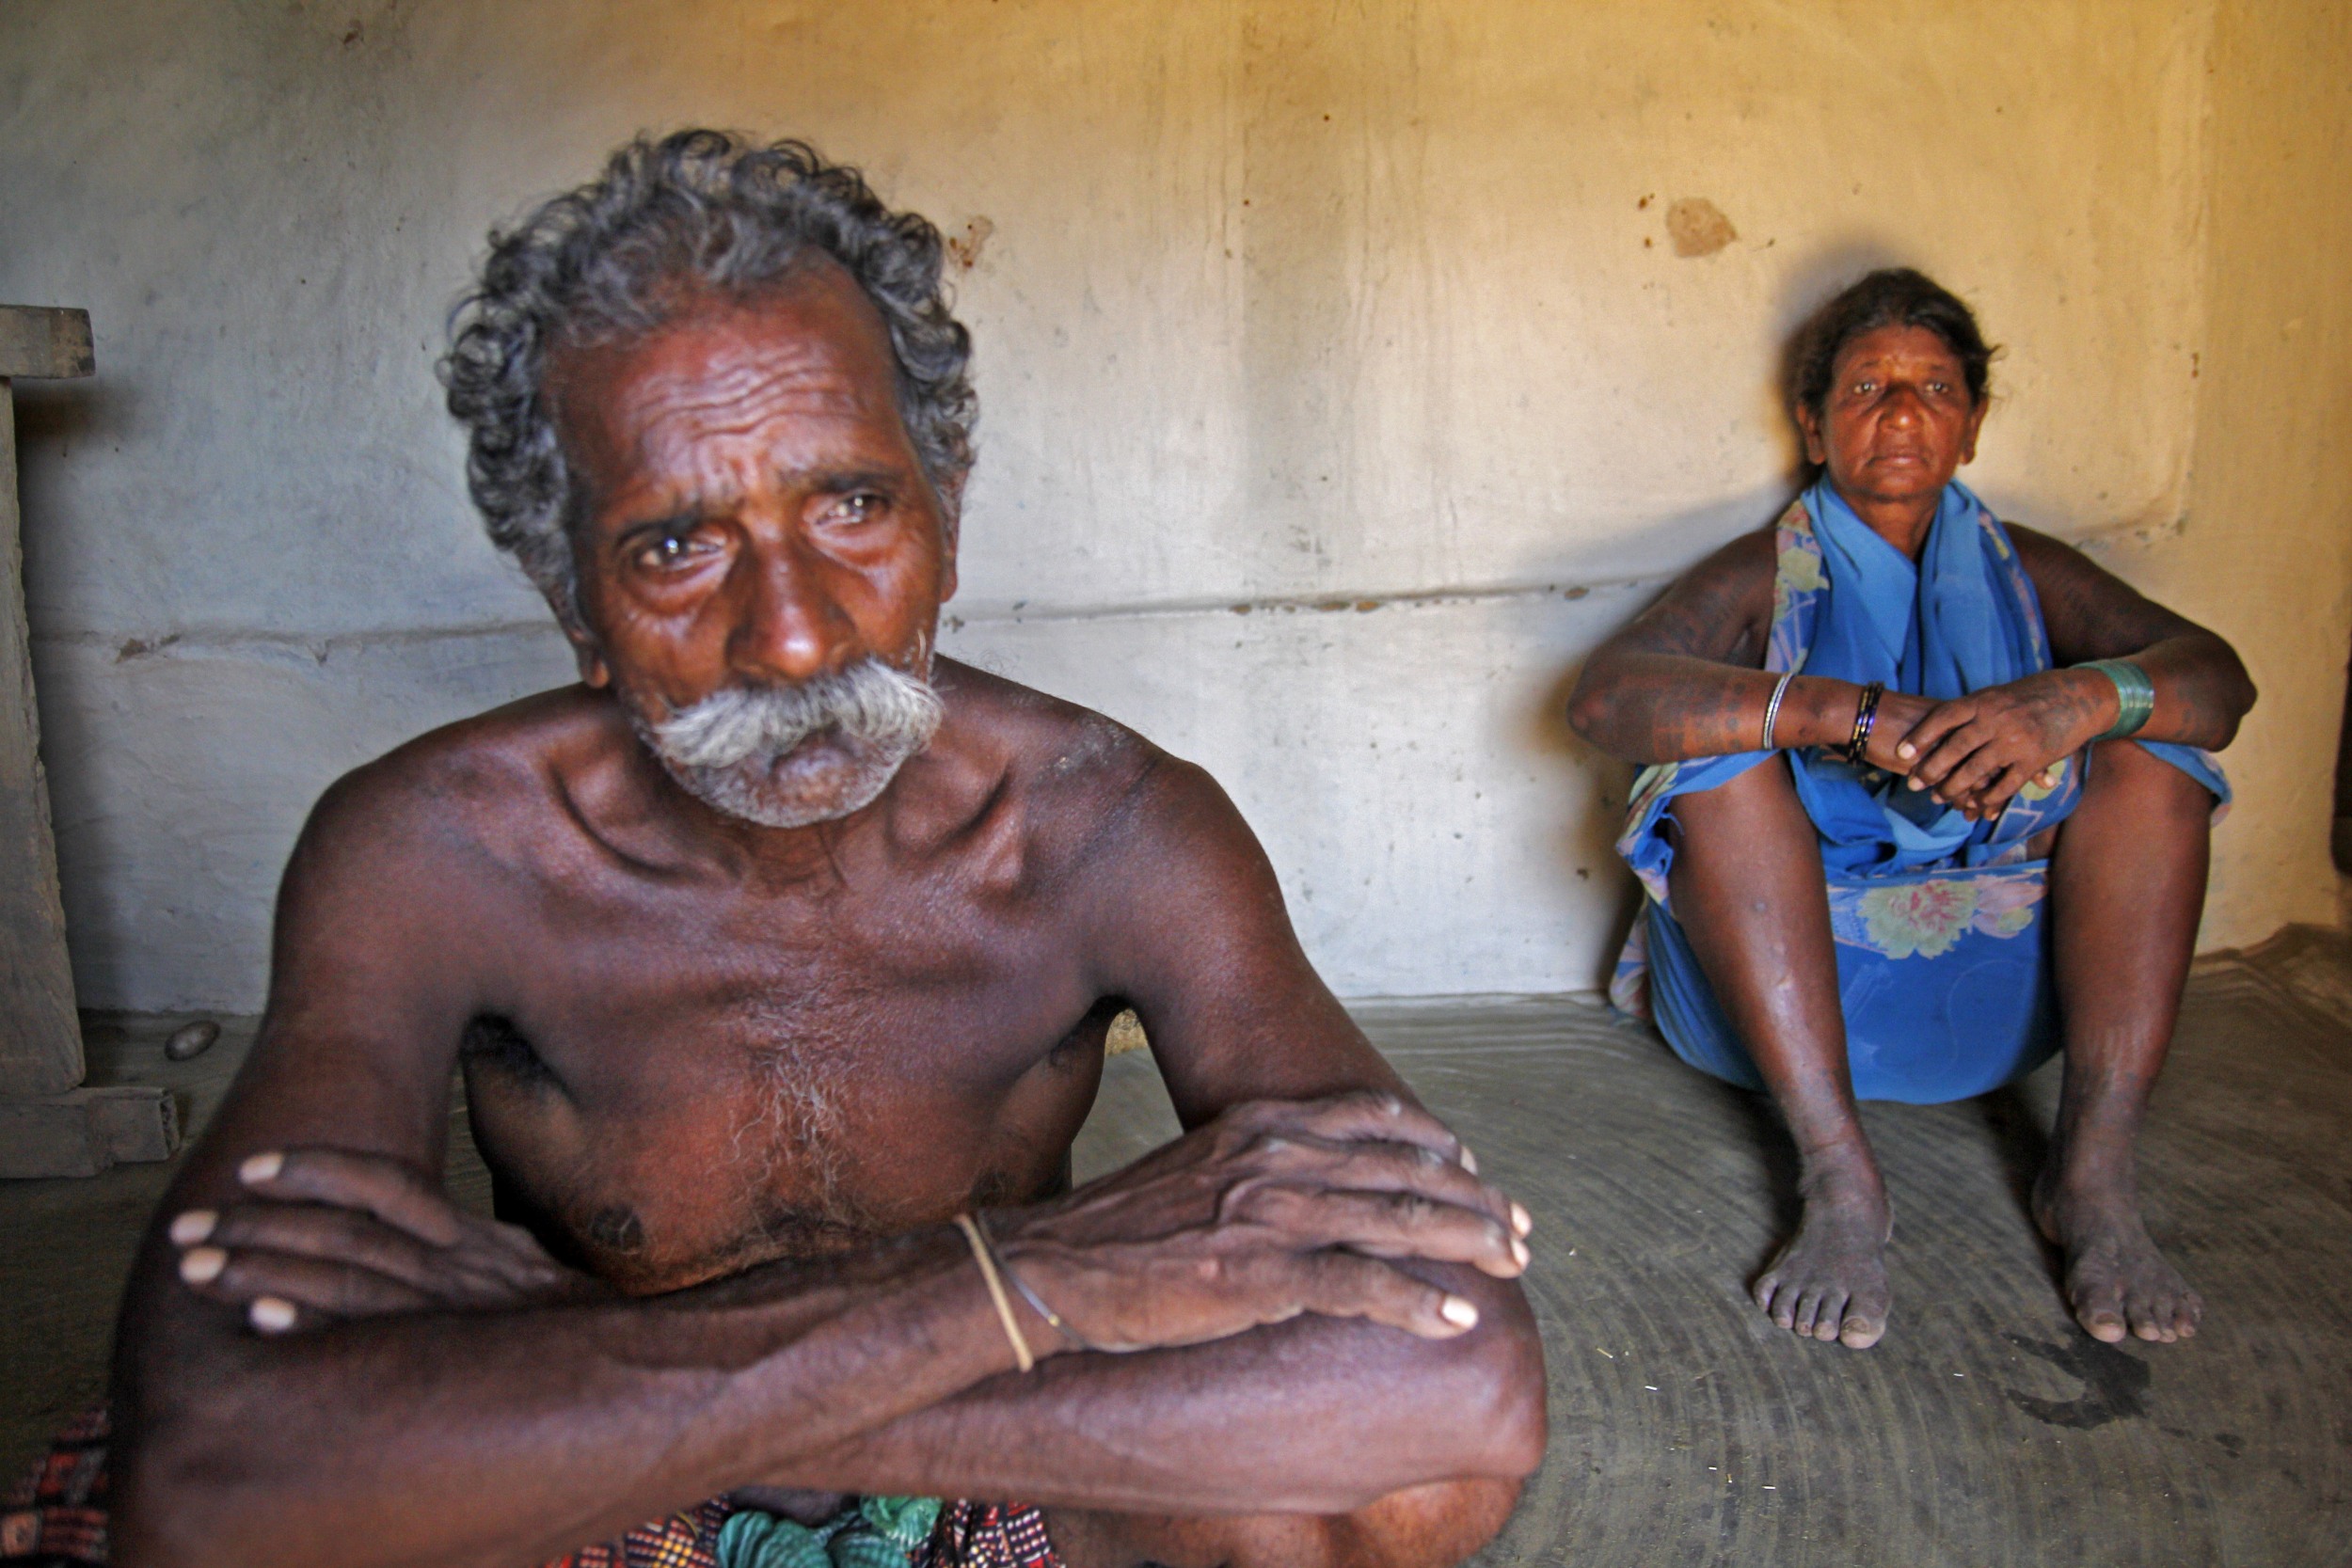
<point x="36" y="341"/>
<point x="40" y="1035"/>
<point x="87" y="1131"/>
<point x="48" y="1126"/>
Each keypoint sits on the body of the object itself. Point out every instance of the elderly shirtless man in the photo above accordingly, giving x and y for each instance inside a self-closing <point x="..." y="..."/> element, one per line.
<point x="778" y="957"/>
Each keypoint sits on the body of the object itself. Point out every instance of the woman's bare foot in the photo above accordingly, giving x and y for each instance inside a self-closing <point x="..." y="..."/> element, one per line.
<point x="2117" y="1282"/>
<point x="1829" y="1280"/>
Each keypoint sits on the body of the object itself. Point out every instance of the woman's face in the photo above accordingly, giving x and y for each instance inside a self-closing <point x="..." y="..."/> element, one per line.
<point x="1898" y="420"/>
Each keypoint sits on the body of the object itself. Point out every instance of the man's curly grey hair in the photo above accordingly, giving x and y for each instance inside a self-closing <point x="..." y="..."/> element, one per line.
<point x="606" y="261"/>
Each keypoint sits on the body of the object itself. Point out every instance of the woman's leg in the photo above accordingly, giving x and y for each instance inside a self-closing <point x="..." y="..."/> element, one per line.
<point x="1749" y="892"/>
<point x="2127" y="882"/>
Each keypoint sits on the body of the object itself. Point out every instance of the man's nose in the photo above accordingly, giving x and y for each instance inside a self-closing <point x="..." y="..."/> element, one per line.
<point x="787" y="626"/>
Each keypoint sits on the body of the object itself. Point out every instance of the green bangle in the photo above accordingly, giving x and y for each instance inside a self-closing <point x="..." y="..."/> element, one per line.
<point x="2134" y="695"/>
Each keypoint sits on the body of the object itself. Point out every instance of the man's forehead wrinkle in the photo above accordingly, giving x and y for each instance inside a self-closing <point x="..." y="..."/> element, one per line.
<point x="740" y="395"/>
<point x="796" y="380"/>
<point x="792" y="414"/>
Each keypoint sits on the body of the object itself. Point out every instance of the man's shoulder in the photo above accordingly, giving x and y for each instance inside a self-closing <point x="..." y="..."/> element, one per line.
<point x="471" y="780"/>
<point x="1082" y="773"/>
<point x="1047" y="743"/>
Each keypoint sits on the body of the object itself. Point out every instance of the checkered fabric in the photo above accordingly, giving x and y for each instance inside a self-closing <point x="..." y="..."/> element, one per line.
<point x="687" y="1539"/>
<point x="991" y="1535"/>
<point x="969" y="1535"/>
<point x="56" y="1518"/>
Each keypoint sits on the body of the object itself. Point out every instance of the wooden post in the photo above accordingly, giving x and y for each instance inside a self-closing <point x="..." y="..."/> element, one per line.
<point x="49" y="1125"/>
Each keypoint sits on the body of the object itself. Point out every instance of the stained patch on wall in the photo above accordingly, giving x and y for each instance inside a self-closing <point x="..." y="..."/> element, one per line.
<point x="1699" y="227"/>
<point x="965" y="247"/>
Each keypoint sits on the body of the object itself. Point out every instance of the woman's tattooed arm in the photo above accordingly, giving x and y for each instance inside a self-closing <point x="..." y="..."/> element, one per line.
<point x="2202" y="690"/>
<point x="1685" y="678"/>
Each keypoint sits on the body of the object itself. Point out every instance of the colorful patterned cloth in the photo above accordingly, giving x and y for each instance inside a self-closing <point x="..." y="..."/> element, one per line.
<point x="56" y="1518"/>
<point x="1941" y="956"/>
<point x="869" y="1532"/>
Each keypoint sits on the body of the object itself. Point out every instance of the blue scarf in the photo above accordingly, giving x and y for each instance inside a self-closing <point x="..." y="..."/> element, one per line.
<point x="1959" y="620"/>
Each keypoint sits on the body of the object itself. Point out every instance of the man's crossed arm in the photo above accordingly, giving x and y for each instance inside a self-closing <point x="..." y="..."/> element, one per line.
<point x="1305" y="1305"/>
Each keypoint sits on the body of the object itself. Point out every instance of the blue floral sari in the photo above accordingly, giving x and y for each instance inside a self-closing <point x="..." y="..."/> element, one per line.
<point x="1942" y="953"/>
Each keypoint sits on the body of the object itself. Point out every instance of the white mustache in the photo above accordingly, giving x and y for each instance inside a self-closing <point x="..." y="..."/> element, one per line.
<point x="869" y="701"/>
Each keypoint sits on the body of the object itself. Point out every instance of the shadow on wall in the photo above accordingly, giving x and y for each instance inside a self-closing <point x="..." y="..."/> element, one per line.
<point x="1583" y="843"/>
<point x="1587" y="838"/>
<point x="2340" y="844"/>
<point x="1808" y="286"/>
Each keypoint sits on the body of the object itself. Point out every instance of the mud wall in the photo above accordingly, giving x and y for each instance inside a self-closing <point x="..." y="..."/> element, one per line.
<point x="1348" y="371"/>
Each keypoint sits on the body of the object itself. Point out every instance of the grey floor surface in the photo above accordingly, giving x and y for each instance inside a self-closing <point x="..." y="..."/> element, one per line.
<point x="1986" y="1429"/>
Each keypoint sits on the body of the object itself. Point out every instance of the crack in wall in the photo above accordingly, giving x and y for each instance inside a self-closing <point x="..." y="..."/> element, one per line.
<point x="1021" y="612"/>
<point x="320" y="647"/>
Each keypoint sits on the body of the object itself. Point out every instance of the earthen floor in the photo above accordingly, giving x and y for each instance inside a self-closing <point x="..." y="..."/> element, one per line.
<point x="1686" y="1430"/>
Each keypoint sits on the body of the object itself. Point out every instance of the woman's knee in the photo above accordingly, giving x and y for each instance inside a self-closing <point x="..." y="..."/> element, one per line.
<point x="1748" y="816"/>
<point x="2125" y="773"/>
<point x="1763" y="797"/>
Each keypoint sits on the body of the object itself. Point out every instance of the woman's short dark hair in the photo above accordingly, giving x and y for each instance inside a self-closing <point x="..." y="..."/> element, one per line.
<point x="1892" y="296"/>
<point x="607" y="260"/>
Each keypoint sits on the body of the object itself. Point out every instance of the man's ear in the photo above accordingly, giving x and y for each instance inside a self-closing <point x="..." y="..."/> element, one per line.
<point x="950" y="534"/>
<point x="1809" y="426"/>
<point x="593" y="669"/>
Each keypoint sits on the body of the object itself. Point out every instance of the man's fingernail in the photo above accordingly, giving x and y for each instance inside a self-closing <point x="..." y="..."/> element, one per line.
<point x="261" y="1167"/>
<point x="1469" y="1161"/>
<point x="193" y="1226"/>
<point x="1521" y="1221"/>
<point x="271" y="1315"/>
<point x="1906" y="750"/>
<point x="1519" y="1253"/>
<point x="1914" y="782"/>
<point x="202" y="1266"/>
<point x="1456" y="1310"/>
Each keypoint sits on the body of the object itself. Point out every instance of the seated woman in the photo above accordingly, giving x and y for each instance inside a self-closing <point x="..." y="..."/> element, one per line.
<point x="1894" y="842"/>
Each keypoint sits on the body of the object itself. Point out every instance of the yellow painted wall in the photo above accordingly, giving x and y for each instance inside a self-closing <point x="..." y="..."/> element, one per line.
<point x="1280" y="306"/>
<point x="2264" y="552"/>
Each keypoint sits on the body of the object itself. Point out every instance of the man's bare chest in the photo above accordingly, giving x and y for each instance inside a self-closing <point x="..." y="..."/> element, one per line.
<point x="676" y="1087"/>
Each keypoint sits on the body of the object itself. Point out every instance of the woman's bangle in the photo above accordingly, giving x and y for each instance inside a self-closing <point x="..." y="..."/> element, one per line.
<point x="1771" y="709"/>
<point x="2135" y="696"/>
<point x="1865" y="715"/>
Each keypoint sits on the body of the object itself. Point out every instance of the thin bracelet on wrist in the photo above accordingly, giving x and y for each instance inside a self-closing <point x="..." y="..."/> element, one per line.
<point x="1053" y="1320"/>
<point x="1865" y="718"/>
<point x="1771" y="709"/>
<point x="2135" y="696"/>
<point x="985" y="1255"/>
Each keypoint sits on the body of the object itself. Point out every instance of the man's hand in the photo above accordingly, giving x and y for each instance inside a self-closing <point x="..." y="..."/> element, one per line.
<point x="1274" y="1209"/>
<point x="1976" y="752"/>
<point x="330" y="1234"/>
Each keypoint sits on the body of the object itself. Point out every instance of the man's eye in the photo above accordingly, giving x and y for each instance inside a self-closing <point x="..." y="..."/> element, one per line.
<point x="862" y="507"/>
<point x="671" y="549"/>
